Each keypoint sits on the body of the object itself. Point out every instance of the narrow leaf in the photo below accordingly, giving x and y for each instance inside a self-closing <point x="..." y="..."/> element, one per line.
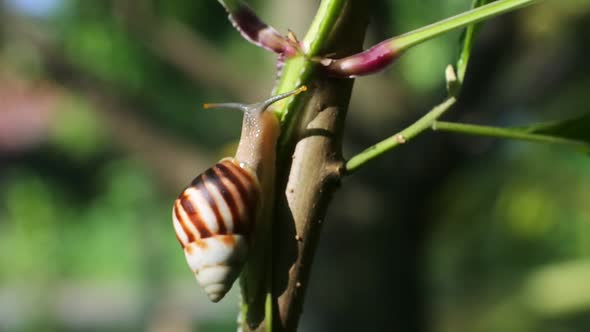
<point x="576" y="128"/>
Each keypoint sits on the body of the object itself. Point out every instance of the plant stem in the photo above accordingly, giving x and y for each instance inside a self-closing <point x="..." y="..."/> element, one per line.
<point x="516" y="134"/>
<point x="475" y="15"/>
<point x="384" y="53"/>
<point x="324" y="21"/>
<point x="309" y="156"/>
<point x="424" y="123"/>
<point x="468" y="38"/>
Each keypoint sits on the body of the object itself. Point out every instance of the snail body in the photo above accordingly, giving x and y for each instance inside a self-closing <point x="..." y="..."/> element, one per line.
<point x="215" y="216"/>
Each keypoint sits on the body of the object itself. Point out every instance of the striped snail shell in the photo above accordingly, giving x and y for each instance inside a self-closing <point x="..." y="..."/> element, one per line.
<point x="212" y="219"/>
<point x="215" y="215"/>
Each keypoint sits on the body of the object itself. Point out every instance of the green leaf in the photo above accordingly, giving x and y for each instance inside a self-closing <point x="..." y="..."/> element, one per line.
<point x="577" y="128"/>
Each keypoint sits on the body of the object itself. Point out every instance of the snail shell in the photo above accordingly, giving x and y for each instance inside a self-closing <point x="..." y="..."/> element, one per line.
<point x="213" y="218"/>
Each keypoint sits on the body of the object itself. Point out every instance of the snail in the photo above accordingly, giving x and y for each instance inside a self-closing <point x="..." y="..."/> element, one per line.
<point x="215" y="216"/>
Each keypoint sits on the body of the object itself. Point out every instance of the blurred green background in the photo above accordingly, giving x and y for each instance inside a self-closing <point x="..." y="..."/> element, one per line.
<point x="101" y="127"/>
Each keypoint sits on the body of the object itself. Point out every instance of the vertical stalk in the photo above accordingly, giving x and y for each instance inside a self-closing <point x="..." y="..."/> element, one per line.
<point x="310" y="158"/>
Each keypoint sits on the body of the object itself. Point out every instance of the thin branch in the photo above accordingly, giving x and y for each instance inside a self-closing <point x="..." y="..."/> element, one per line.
<point x="379" y="149"/>
<point x="468" y="38"/>
<point x="509" y="133"/>
<point x="384" y="53"/>
<point x="472" y="16"/>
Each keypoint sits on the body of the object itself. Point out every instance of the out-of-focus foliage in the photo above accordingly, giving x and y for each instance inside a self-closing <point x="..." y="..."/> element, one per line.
<point x="101" y="126"/>
<point x="517" y="252"/>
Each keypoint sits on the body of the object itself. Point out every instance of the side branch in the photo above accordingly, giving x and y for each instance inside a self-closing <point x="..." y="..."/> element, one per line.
<point x="402" y="137"/>
<point x="508" y="133"/>
<point x="383" y="54"/>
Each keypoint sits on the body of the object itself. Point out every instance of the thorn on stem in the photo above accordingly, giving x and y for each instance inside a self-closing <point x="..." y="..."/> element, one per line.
<point x="326" y="61"/>
<point x="401" y="139"/>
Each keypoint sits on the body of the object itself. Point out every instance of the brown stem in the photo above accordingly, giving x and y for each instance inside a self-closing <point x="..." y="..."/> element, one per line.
<point x="314" y="173"/>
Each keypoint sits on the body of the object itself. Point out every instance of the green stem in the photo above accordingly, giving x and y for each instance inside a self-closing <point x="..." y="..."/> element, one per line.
<point x="475" y="15"/>
<point x="268" y="306"/>
<point x="384" y="53"/>
<point x="298" y="70"/>
<point x="424" y="123"/>
<point x="324" y="21"/>
<point x="468" y="39"/>
<point x="516" y="134"/>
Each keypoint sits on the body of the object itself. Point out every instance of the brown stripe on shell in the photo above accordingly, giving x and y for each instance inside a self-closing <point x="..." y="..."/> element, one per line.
<point x="232" y="202"/>
<point x="229" y="241"/>
<point x="254" y="193"/>
<point x="210" y="176"/>
<point x="238" y="187"/>
<point x="189" y="235"/>
<point x="193" y="213"/>
<point x="226" y="169"/>
<point x="252" y="185"/>
<point x="247" y="196"/>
